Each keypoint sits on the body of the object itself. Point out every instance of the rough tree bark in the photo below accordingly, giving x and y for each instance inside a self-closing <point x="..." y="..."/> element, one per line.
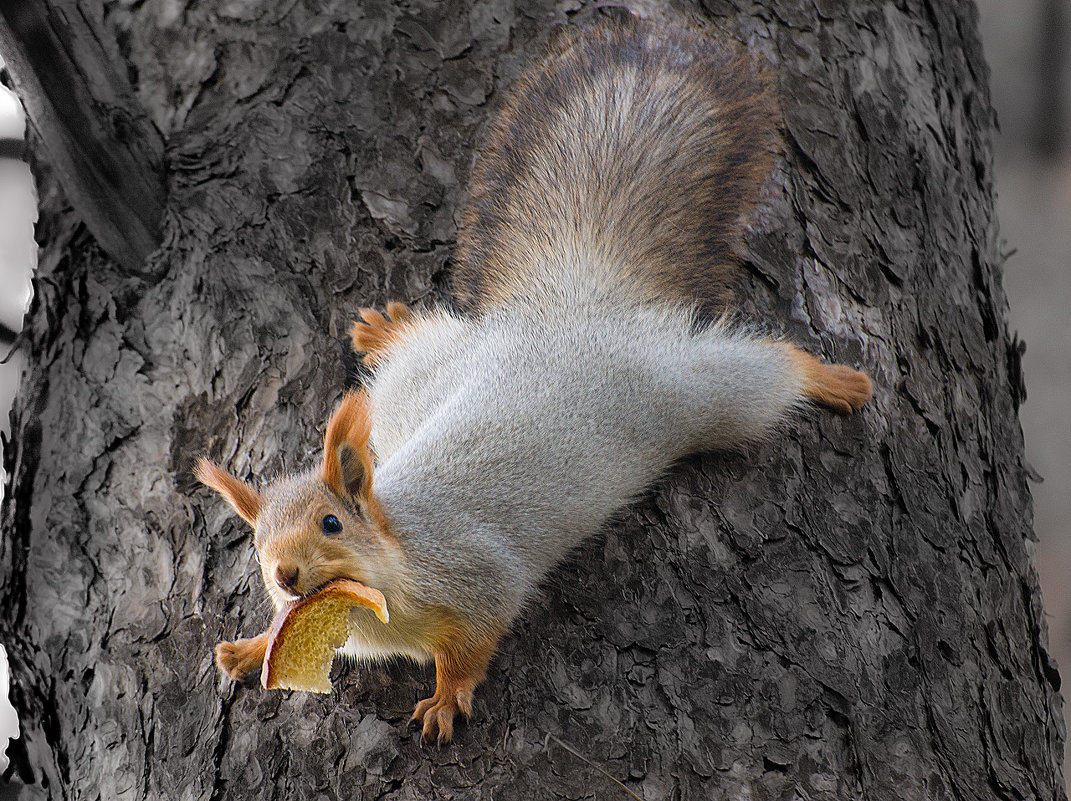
<point x="851" y="611"/>
<point x="100" y="141"/>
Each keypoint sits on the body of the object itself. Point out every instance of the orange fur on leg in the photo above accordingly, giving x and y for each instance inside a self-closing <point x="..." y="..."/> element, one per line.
<point x="834" y="385"/>
<point x="460" y="665"/>
<point x="240" y="657"/>
<point x="374" y="334"/>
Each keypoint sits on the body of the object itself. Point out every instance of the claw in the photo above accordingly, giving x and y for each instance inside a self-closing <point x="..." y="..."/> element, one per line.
<point x="436" y="715"/>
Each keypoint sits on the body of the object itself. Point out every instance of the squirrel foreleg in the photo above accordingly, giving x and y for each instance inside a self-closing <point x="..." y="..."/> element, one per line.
<point x="240" y="657"/>
<point x="458" y="669"/>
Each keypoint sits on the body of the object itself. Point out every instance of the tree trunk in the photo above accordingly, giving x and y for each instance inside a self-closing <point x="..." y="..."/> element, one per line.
<point x="851" y="611"/>
<point x="99" y="139"/>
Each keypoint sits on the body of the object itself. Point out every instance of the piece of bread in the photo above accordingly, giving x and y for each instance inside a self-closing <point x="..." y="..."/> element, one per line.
<point x="305" y="634"/>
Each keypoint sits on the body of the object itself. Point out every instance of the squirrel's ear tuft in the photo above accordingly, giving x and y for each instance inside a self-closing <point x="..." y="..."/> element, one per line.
<point x="347" y="459"/>
<point x="242" y="497"/>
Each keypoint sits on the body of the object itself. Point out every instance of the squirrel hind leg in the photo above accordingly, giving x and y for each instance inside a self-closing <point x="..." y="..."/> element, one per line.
<point x="374" y="334"/>
<point x="837" y="386"/>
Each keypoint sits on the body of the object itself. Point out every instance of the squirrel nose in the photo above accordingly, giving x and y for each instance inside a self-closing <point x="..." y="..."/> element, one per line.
<point x="286" y="576"/>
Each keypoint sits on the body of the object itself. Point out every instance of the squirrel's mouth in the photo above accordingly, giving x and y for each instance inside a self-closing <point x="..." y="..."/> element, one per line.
<point x="322" y="585"/>
<point x="315" y="578"/>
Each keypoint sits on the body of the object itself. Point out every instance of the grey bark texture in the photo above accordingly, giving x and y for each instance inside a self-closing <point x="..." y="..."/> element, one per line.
<point x="850" y="611"/>
<point x="98" y="138"/>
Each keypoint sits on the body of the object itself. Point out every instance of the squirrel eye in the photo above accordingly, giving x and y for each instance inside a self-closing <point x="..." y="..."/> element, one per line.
<point x="331" y="525"/>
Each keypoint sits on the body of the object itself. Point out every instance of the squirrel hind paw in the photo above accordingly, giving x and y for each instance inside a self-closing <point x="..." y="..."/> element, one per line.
<point x="837" y="386"/>
<point x="841" y="388"/>
<point x="373" y="334"/>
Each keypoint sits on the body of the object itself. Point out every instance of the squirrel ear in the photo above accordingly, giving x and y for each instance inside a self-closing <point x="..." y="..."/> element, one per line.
<point x="242" y="497"/>
<point x="347" y="460"/>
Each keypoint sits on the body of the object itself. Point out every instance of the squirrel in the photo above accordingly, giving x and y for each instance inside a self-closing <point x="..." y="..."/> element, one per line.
<point x="606" y="204"/>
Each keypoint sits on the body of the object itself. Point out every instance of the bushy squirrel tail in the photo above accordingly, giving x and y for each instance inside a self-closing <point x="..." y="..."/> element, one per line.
<point x="626" y="165"/>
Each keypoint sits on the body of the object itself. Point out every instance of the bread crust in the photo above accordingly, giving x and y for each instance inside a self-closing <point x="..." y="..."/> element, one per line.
<point x="305" y="634"/>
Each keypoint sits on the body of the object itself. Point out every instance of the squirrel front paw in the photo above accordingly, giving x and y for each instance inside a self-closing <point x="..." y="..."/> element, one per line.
<point x="373" y="334"/>
<point x="460" y="665"/>
<point x="436" y="714"/>
<point x="241" y="657"/>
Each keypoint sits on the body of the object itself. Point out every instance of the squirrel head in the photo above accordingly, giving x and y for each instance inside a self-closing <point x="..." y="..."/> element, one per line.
<point x="323" y="524"/>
